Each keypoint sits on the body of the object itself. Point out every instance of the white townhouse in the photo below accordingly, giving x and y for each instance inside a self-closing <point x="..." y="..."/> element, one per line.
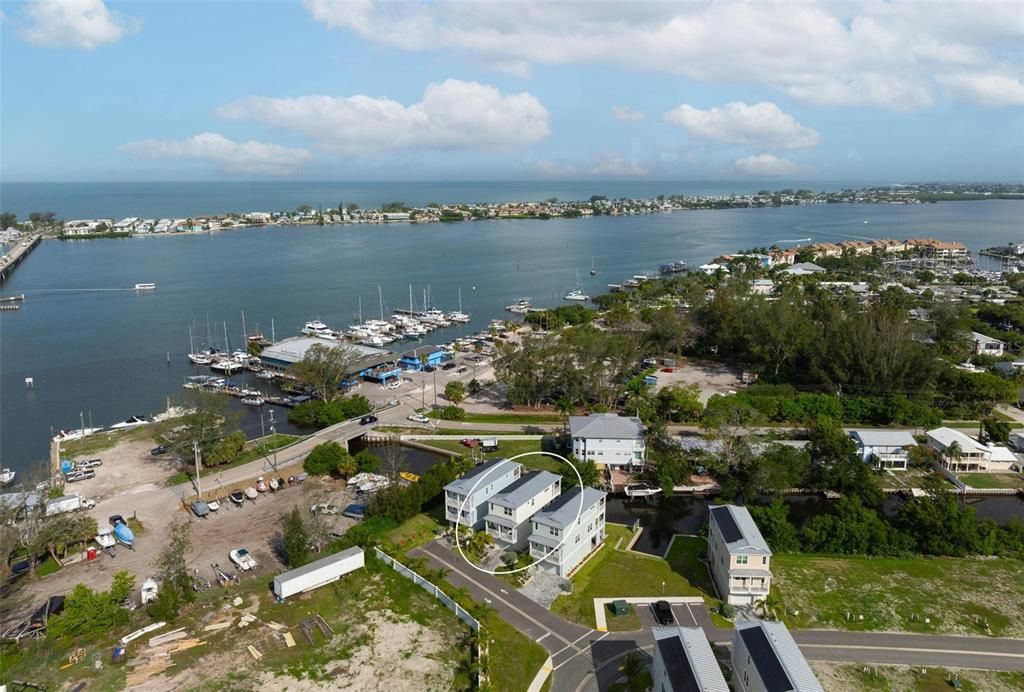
<point x="509" y="512"/>
<point x="558" y="520"/>
<point x="884" y="449"/>
<point x="684" y="662"/>
<point x="126" y="225"/>
<point x="986" y="345"/>
<point x="766" y="659"/>
<point x="739" y="556"/>
<point x="609" y="439"/>
<point x="958" y="452"/>
<point x="466" y="497"/>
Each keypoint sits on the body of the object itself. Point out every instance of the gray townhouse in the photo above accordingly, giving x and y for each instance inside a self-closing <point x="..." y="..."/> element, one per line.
<point x="558" y="521"/>
<point x="739" y="556"/>
<point x="509" y="511"/>
<point x="684" y="662"/>
<point x="466" y="497"/>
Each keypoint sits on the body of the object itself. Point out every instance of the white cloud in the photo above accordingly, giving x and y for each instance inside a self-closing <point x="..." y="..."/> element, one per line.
<point x="453" y="115"/>
<point x="993" y="90"/>
<point x="250" y="157"/>
<point x="767" y="166"/>
<point x="839" y="53"/>
<point x="618" y="167"/>
<point x="762" y="124"/>
<point x="553" y="169"/>
<point x="627" y="114"/>
<point x="84" y="24"/>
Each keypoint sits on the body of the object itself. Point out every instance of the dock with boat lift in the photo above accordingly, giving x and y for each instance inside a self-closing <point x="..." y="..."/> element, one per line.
<point x="9" y="261"/>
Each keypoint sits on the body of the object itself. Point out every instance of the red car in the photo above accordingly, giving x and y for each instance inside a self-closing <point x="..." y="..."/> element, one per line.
<point x="472" y="443"/>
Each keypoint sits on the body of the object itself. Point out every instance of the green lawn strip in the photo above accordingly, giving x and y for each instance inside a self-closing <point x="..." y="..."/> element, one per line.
<point x="513" y="660"/>
<point x="992" y="480"/>
<point x="510" y="448"/>
<point x="615" y="573"/>
<point x="447" y="432"/>
<point x="105" y="440"/>
<point x="254" y="449"/>
<point x="519" y="418"/>
<point x="685" y="556"/>
<point x="415" y="532"/>
<point x="955" y="595"/>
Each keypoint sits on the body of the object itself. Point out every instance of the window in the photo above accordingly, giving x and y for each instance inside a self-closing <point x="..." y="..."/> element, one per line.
<point x="508" y="511"/>
<point x="741" y="559"/>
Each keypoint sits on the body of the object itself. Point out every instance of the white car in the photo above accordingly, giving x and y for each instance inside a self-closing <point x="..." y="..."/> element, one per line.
<point x="242" y="559"/>
<point x="325" y="508"/>
<point x="418" y="418"/>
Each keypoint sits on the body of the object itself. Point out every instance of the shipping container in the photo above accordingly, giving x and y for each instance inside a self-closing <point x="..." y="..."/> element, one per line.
<point x="316" y="574"/>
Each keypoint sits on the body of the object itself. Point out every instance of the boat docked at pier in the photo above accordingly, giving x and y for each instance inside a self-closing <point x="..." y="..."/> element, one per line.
<point x="520" y="306"/>
<point x="133" y="422"/>
<point x="226" y="366"/>
<point x="319" y="329"/>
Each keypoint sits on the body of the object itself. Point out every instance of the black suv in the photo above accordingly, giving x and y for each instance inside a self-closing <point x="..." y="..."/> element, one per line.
<point x="367" y="420"/>
<point x="663" y="613"/>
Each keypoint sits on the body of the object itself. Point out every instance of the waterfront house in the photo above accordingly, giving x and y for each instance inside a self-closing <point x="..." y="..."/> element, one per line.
<point x="884" y="449"/>
<point x="986" y="345"/>
<point x="766" y="659"/>
<point x="684" y="662"/>
<point x="958" y="452"/>
<point x="826" y="250"/>
<point x="466" y="498"/>
<point x="939" y="249"/>
<point x="609" y="439"/>
<point x="803" y="269"/>
<point x="421" y="357"/>
<point x="786" y="257"/>
<point x="259" y="217"/>
<point x="713" y="268"/>
<point x="126" y="225"/>
<point x="738" y="555"/>
<point x="570" y="528"/>
<point x="509" y="512"/>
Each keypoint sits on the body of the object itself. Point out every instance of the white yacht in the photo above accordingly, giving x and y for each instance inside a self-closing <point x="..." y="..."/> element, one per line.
<point x="577" y="293"/>
<point x="318" y="329"/>
<point x="7" y="477"/>
<point x="145" y="287"/>
<point x="65" y="435"/>
<point x="253" y="401"/>
<point x="133" y="422"/>
<point x="200" y="358"/>
<point x="226" y="366"/>
<point x="521" y="306"/>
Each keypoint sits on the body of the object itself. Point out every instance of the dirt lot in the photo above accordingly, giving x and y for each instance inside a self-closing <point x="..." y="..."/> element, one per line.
<point x="712" y="378"/>
<point x="854" y="678"/>
<point x="128" y="468"/>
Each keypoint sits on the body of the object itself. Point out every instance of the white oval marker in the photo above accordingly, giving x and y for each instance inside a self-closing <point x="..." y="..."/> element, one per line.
<point x="458" y="519"/>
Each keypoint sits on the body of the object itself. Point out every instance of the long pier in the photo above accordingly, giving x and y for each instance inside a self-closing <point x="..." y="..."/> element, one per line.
<point x="19" y="253"/>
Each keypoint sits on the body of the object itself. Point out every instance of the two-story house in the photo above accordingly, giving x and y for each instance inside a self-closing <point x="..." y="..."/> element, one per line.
<point x="609" y="439"/>
<point x="558" y="521"/>
<point x="509" y="512"/>
<point x="958" y="452"/>
<point x="465" y="498"/>
<point x="739" y="557"/>
<point x="986" y="345"/>
<point x="766" y="659"/>
<point x="884" y="449"/>
<point x="684" y="662"/>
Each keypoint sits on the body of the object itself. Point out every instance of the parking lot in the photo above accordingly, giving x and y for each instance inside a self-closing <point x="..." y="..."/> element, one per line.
<point x="682" y="612"/>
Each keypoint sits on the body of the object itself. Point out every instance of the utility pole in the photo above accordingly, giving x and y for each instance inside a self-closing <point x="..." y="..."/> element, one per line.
<point x="435" y="388"/>
<point x="273" y="433"/>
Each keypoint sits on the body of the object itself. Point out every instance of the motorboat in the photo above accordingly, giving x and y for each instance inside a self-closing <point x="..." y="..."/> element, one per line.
<point x="261" y="484"/>
<point x="641" y="490"/>
<point x="243" y="559"/>
<point x="124" y="534"/>
<point x="577" y="295"/>
<point x="265" y="375"/>
<point x="409" y="476"/>
<point x="521" y="306"/>
<point x="145" y="287"/>
<point x="200" y="509"/>
<point x="274" y="484"/>
<point x="149" y="591"/>
<point x="253" y="401"/>
<point x="237" y="497"/>
<point x="133" y="422"/>
<point x="7" y="477"/>
<point x="226" y="366"/>
<point x="460" y="317"/>
<point x="358" y="478"/>
<point x="318" y="329"/>
<point x="105" y="538"/>
<point x="213" y="505"/>
<point x="251" y="493"/>
<point x="67" y="435"/>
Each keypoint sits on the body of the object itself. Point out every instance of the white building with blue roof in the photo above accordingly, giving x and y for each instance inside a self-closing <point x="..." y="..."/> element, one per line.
<point x="466" y="498"/>
<point x="569" y="529"/>
<point x="738" y="555"/>
<point x="509" y="512"/>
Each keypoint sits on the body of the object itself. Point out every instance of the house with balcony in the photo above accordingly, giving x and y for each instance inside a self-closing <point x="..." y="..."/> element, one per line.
<point x="959" y="453"/>
<point x="609" y="439"/>
<point x="422" y="357"/>
<point x="466" y="498"/>
<point x="509" y="512"/>
<point x="684" y="662"/>
<point x="738" y="555"/>
<point x="567" y="530"/>
<point x="766" y="659"/>
<point x="884" y="449"/>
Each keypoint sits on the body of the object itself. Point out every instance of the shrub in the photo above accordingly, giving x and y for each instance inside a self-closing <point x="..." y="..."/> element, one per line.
<point x="452" y="413"/>
<point x="324" y="459"/>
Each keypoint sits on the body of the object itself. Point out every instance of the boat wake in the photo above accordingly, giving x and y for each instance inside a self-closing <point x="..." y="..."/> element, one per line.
<point x="794" y="240"/>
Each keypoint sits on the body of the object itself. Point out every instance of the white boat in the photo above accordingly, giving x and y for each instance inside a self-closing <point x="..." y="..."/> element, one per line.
<point x="213" y="505"/>
<point x="200" y="358"/>
<point x="149" y="591"/>
<point x="226" y="366"/>
<point x="576" y="294"/>
<point x="65" y="435"/>
<point x="145" y="287"/>
<point x="265" y="375"/>
<point x="251" y="493"/>
<point x="261" y="485"/>
<point x="253" y="401"/>
<point x="521" y="306"/>
<point x="105" y="538"/>
<point x="7" y="477"/>
<point x="318" y="329"/>
<point x="133" y="422"/>
<point x="640" y="490"/>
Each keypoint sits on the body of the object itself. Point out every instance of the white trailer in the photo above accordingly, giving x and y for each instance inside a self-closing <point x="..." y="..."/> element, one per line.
<point x="316" y="574"/>
<point x="68" y="503"/>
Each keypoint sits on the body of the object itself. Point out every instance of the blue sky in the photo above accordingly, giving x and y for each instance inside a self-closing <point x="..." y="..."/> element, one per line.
<point x="361" y="90"/>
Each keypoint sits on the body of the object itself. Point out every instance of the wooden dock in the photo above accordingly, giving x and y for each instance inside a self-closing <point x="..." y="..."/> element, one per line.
<point x="19" y="253"/>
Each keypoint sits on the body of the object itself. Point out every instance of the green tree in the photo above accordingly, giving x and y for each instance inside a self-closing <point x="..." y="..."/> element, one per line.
<point x="324" y="459"/>
<point x="205" y="423"/>
<point x="295" y="539"/>
<point x="565" y="407"/>
<point x="8" y="220"/>
<point x="323" y="367"/>
<point x="367" y="461"/>
<point x="632" y="666"/>
<point x="680" y="402"/>
<point x="774" y="524"/>
<point x="587" y="469"/>
<point x="455" y="391"/>
<point x="89" y="613"/>
<point x="997" y="430"/>
<point x="172" y="560"/>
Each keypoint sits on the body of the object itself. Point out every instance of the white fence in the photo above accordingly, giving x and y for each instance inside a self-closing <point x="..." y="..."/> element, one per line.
<point x="427" y="586"/>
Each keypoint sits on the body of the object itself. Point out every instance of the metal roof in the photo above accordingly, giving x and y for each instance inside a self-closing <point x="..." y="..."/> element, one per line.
<point x="779" y="662"/>
<point x="606" y="426"/>
<point x="884" y="438"/>
<point x="317" y="564"/>
<point x="490" y="471"/>
<point x="947" y="436"/>
<point x="738" y="529"/>
<point x="689" y="661"/>
<point x="425" y="349"/>
<point x="525" y="489"/>
<point x="293" y="349"/>
<point x="562" y="511"/>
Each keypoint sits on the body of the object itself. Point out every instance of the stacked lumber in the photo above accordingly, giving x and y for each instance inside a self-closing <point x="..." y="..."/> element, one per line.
<point x="218" y="626"/>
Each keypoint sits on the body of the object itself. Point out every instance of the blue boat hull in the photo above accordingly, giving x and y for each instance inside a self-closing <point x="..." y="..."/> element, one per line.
<point x="124" y="534"/>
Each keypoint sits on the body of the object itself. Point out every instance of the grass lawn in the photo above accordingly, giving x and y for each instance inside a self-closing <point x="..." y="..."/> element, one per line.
<point x="958" y="595"/>
<point x="510" y="448"/>
<point x="415" y="532"/>
<point x="615" y="572"/>
<point x="853" y="678"/>
<point x="992" y="480"/>
<point x="685" y="558"/>
<point x="100" y="441"/>
<point x="513" y="660"/>
<point x="253" y="451"/>
<point x="522" y="418"/>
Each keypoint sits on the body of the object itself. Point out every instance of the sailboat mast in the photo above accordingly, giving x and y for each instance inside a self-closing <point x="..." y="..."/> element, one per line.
<point x="227" y="346"/>
<point x="360" y="309"/>
<point x="380" y="296"/>
<point x="245" y="333"/>
<point x="460" y="298"/>
<point x="412" y="311"/>
<point x="191" y="345"/>
<point x="273" y="334"/>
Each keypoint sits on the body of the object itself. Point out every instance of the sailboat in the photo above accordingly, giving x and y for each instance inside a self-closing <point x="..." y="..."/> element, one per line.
<point x="577" y="293"/>
<point x="458" y="316"/>
<point x="593" y="270"/>
<point x="200" y="357"/>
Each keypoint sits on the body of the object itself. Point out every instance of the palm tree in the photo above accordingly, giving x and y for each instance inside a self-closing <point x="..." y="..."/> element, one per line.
<point x="954" y="451"/>
<point x="632" y="666"/>
<point x="565" y="407"/>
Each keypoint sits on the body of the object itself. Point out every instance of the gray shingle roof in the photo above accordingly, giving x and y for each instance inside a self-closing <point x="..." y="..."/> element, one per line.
<point x="562" y="511"/>
<point x="527" y="487"/>
<point x="746" y="537"/>
<point x="606" y="426"/>
<point x="490" y="471"/>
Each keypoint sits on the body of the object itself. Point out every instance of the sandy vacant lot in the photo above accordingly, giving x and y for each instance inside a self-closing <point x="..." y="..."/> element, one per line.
<point x="712" y="378"/>
<point x="128" y="468"/>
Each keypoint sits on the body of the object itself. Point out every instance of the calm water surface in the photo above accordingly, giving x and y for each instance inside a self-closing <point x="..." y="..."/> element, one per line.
<point x="106" y="351"/>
